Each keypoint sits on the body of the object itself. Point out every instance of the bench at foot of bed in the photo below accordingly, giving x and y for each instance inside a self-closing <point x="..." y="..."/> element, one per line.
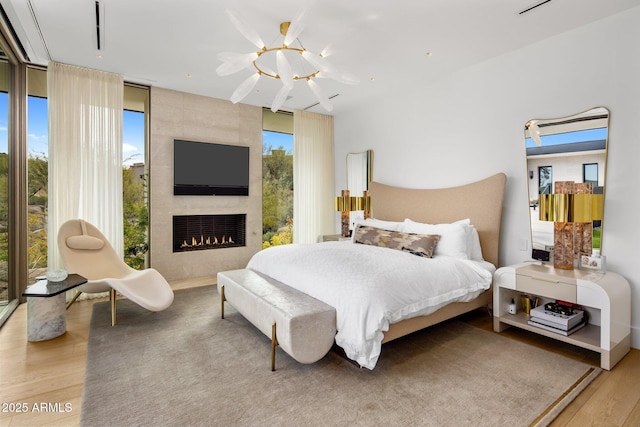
<point x="302" y="326"/>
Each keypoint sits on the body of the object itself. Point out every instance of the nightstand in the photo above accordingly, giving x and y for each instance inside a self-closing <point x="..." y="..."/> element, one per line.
<point x="605" y="296"/>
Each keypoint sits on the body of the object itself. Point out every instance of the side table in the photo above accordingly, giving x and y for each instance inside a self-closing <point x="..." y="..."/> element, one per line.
<point x="605" y="296"/>
<point x="46" y="307"/>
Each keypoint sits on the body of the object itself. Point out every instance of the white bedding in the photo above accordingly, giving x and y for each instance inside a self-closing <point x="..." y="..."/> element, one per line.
<point x="371" y="287"/>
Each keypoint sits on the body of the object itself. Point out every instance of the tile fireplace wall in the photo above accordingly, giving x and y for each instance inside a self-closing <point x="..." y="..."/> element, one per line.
<point x="178" y="115"/>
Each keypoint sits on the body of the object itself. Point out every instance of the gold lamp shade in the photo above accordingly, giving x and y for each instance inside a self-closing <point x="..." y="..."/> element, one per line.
<point x="571" y="207"/>
<point x="343" y="204"/>
<point x="361" y="203"/>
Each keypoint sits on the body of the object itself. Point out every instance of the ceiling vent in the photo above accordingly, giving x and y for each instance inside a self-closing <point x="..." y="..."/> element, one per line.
<point x="533" y="7"/>
<point x="317" y="103"/>
<point x="99" y="25"/>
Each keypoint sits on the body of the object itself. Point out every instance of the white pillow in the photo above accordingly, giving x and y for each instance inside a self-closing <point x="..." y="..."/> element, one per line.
<point x="474" y="249"/>
<point x="377" y="223"/>
<point x="453" y="237"/>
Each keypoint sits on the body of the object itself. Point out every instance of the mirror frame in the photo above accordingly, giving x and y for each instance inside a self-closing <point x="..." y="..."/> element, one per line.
<point x="536" y="129"/>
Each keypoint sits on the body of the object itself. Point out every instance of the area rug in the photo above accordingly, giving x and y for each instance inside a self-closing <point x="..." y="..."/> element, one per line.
<point x="186" y="366"/>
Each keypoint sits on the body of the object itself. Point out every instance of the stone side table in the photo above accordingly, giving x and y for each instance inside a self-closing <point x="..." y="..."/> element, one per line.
<point x="46" y="307"/>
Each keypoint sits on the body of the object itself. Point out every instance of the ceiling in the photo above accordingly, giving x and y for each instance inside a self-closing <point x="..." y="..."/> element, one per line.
<point x="389" y="46"/>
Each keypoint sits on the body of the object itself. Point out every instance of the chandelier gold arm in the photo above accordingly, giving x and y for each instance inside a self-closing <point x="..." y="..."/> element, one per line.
<point x="275" y="49"/>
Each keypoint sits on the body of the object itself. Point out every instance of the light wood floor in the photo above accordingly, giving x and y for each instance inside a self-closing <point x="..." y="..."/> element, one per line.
<point x="53" y="371"/>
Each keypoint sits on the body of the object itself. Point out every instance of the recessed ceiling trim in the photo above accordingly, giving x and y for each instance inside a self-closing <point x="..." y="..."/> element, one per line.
<point x="37" y="25"/>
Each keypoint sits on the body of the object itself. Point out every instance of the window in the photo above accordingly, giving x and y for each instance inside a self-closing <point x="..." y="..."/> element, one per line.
<point x="7" y="290"/>
<point x="13" y="232"/>
<point x="135" y="177"/>
<point x="135" y="215"/>
<point x="37" y="171"/>
<point x="277" y="179"/>
<point x="590" y="173"/>
<point x="277" y="188"/>
<point x="545" y="180"/>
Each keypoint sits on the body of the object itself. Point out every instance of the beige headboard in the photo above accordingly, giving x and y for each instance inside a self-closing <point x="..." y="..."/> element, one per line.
<point x="480" y="201"/>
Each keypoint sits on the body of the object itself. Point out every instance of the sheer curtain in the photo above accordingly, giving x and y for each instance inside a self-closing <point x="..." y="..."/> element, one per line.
<point x="313" y="182"/>
<point x="85" y="152"/>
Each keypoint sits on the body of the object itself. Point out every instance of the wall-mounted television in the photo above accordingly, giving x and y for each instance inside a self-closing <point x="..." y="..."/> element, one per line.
<point x="208" y="169"/>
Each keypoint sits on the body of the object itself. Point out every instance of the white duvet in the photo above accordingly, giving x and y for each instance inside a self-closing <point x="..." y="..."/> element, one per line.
<point x="371" y="287"/>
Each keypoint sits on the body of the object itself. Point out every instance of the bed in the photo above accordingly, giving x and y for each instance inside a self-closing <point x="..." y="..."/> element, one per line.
<point x="314" y="269"/>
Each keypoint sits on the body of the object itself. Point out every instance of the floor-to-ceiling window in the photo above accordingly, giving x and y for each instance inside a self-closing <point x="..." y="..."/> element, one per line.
<point x="37" y="171"/>
<point x="277" y="179"/>
<point x="13" y="215"/>
<point x="135" y="176"/>
<point x="7" y="293"/>
<point x="135" y="215"/>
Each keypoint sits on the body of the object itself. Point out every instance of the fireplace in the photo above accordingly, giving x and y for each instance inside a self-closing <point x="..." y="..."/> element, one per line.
<point x="202" y="232"/>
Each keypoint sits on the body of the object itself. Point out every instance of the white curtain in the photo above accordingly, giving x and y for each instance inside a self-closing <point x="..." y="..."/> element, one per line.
<point x="313" y="177"/>
<point x="85" y="152"/>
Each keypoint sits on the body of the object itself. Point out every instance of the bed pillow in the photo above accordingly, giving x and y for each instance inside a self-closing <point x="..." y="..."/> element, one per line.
<point x="453" y="237"/>
<point x="474" y="249"/>
<point x="416" y="244"/>
<point x="377" y="223"/>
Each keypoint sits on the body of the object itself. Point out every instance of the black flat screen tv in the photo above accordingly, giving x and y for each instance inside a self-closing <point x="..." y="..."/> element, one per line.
<point x="208" y="169"/>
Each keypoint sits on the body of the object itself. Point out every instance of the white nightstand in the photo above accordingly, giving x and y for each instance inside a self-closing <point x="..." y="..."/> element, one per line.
<point x="606" y="296"/>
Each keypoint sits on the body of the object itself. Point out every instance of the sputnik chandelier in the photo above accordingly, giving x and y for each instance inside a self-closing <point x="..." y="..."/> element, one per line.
<point x="288" y="62"/>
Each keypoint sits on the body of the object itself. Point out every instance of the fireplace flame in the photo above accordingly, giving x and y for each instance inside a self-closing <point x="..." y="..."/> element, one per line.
<point x="209" y="241"/>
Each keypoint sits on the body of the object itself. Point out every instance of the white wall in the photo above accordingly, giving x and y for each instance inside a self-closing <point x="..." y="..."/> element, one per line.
<point x="470" y="125"/>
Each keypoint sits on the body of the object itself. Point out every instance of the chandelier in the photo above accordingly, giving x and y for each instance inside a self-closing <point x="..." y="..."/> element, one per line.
<point x="288" y="62"/>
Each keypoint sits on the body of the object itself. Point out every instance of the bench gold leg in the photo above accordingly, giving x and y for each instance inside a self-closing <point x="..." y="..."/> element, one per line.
<point x="274" y="344"/>
<point x="222" y="300"/>
<point x="112" y="298"/>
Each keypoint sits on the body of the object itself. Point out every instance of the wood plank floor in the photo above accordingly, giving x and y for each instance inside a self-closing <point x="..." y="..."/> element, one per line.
<point x="52" y="372"/>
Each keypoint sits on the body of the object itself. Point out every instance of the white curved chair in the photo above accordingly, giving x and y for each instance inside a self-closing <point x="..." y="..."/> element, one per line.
<point x="87" y="252"/>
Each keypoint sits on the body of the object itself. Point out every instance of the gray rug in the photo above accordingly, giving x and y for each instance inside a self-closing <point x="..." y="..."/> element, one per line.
<point x="186" y="366"/>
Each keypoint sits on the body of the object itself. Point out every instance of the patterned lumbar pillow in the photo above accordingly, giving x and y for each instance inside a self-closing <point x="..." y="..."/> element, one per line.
<point x="418" y="244"/>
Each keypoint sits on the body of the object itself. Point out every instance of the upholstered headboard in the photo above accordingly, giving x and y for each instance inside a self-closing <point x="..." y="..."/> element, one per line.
<point x="479" y="201"/>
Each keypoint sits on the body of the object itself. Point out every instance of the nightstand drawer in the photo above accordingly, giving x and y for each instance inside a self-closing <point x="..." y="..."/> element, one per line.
<point x="549" y="287"/>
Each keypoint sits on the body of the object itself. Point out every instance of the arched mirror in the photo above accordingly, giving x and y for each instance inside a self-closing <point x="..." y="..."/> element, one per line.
<point x="359" y="171"/>
<point x="565" y="149"/>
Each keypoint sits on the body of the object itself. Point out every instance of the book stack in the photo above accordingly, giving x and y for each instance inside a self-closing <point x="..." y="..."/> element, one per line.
<point x="557" y="319"/>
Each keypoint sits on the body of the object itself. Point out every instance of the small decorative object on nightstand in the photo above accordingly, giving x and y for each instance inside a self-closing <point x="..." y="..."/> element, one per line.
<point x="604" y="296"/>
<point x="593" y="262"/>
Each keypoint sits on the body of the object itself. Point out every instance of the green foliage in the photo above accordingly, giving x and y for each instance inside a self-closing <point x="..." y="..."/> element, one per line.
<point x="38" y="180"/>
<point x="284" y="236"/>
<point x="135" y="217"/>
<point x="4" y="206"/>
<point x="277" y="196"/>
<point x="596" y="238"/>
<point x="37" y="185"/>
<point x="135" y="214"/>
